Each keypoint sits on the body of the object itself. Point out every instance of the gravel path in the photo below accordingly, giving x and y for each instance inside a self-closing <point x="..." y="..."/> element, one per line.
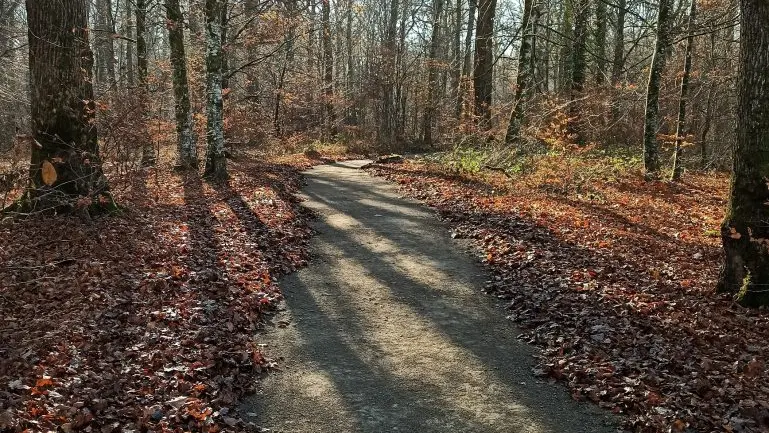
<point x="387" y="330"/>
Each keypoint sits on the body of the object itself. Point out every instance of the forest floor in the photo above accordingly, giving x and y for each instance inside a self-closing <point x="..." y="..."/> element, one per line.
<point x="388" y="329"/>
<point x="613" y="278"/>
<point x="145" y="320"/>
<point x="153" y="319"/>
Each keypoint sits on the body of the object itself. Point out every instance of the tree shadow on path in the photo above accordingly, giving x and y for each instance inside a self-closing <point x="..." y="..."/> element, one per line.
<point x="389" y="320"/>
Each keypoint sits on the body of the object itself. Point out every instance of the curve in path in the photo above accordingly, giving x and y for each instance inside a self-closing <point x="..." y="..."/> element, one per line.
<point x="387" y="330"/>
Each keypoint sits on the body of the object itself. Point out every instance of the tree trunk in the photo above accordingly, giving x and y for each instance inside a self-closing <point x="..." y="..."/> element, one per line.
<point x="352" y="111"/>
<point x="484" y="62"/>
<point x="745" y="232"/>
<point x="225" y="52"/>
<point x="600" y="42"/>
<point x="683" y="99"/>
<point x="65" y="165"/>
<point x="536" y="16"/>
<point x="545" y="78"/>
<point x="328" y="73"/>
<point x="567" y="44"/>
<point x="578" y="69"/>
<point x="467" y="63"/>
<point x="129" y="49"/>
<point x="427" y="125"/>
<point x="525" y="75"/>
<point x="187" y="146"/>
<point x="216" y="161"/>
<point x="618" y="65"/>
<point x="456" y="61"/>
<point x="105" y="43"/>
<point x="652" y="118"/>
<point x="388" y="72"/>
<point x="148" y="150"/>
<point x="141" y="41"/>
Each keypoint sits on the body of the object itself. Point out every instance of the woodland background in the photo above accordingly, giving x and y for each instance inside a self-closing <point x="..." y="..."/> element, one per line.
<point x="406" y="75"/>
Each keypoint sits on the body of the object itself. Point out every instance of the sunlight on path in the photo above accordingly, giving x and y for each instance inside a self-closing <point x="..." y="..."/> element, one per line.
<point x="388" y="330"/>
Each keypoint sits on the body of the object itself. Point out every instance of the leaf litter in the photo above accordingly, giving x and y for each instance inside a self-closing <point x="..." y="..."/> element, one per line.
<point x="615" y="283"/>
<point x="146" y="321"/>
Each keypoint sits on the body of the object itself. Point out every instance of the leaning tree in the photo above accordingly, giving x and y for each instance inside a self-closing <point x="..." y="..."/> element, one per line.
<point x="745" y="231"/>
<point x="65" y="168"/>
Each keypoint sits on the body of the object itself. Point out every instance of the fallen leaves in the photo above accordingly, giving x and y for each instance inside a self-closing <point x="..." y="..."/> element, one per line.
<point x="615" y="282"/>
<point x="145" y="321"/>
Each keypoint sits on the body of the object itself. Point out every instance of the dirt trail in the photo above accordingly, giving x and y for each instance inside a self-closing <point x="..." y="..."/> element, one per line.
<point x="387" y="330"/>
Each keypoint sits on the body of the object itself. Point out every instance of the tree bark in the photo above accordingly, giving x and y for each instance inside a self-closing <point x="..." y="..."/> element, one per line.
<point x="216" y="161"/>
<point x="467" y="63"/>
<point x="745" y="232"/>
<point x="525" y="74"/>
<point x="65" y="166"/>
<point x="567" y="45"/>
<point x="328" y="73"/>
<point x="652" y="117"/>
<point x="388" y="73"/>
<point x="601" y="25"/>
<point x="141" y="41"/>
<point x="484" y="62"/>
<point x="148" y="150"/>
<point x="429" y="115"/>
<point x="105" y="43"/>
<point x="683" y="98"/>
<point x="225" y="52"/>
<point x="352" y="112"/>
<point x="186" y="143"/>
<point x="456" y="61"/>
<point x="578" y="69"/>
<point x="618" y="65"/>
<point x="129" y="48"/>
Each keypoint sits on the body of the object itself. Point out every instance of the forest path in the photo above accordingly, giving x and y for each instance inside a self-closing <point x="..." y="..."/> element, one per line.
<point x="387" y="330"/>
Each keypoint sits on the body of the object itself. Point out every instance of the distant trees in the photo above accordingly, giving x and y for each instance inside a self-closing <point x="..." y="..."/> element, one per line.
<point x="399" y="75"/>
<point x="65" y="166"/>
<point x="745" y="231"/>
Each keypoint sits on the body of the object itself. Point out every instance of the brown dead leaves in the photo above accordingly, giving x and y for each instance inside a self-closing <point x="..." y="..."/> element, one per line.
<point x="146" y="321"/>
<point x="615" y="282"/>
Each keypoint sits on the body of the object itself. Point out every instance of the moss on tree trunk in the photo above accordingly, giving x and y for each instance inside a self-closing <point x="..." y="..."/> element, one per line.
<point x="65" y="167"/>
<point x="745" y="231"/>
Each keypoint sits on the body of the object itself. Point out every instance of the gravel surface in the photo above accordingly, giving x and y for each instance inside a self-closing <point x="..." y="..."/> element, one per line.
<point x="388" y="330"/>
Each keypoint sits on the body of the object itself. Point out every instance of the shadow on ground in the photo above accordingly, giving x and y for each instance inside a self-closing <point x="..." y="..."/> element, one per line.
<point x="388" y="330"/>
